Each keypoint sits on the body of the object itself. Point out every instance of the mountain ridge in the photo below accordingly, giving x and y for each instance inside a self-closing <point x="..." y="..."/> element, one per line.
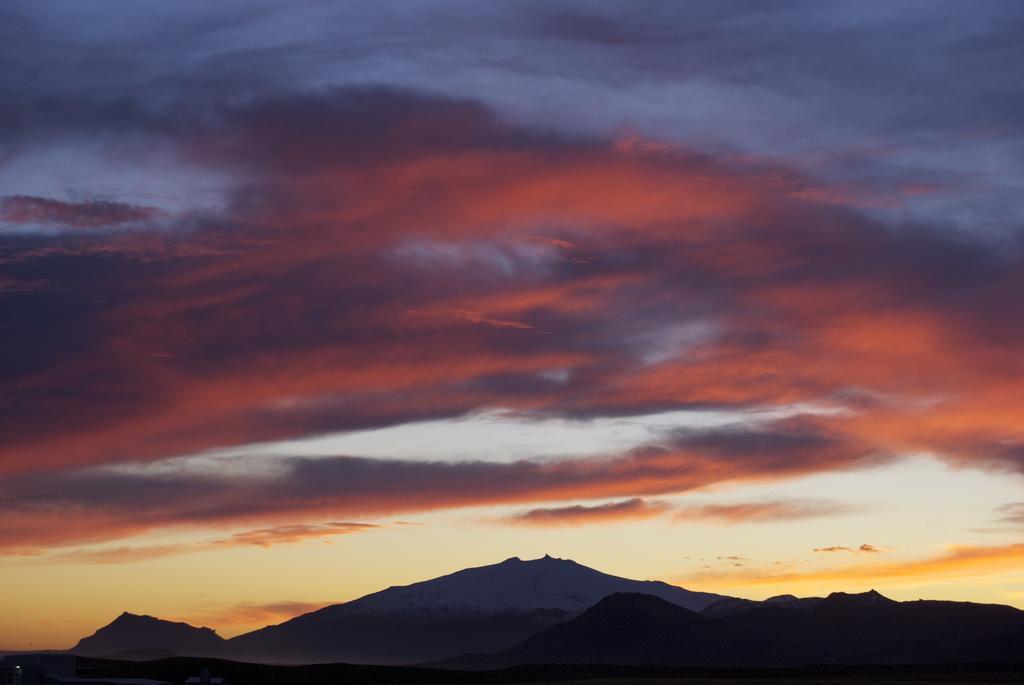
<point x="840" y="629"/>
<point x="482" y="608"/>
<point x="500" y="614"/>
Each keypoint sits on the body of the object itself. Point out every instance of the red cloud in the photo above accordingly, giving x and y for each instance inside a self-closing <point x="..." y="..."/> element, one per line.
<point x="289" y="315"/>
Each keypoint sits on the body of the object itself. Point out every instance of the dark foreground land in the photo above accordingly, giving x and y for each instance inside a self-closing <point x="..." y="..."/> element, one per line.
<point x="178" y="669"/>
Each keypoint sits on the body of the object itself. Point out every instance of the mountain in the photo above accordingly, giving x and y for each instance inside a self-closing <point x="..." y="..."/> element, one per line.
<point x="517" y="585"/>
<point x="482" y="609"/>
<point x="557" y="611"/>
<point x="633" y="629"/>
<point x="134" y="633"/>
<point x="841" y="629"/>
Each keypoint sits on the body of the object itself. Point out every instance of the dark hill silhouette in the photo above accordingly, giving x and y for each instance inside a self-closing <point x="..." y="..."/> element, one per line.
<point x="869" y="628"/>
<point x="483" y="609"/>
<point x="140" y="655"/>
<point x="631" y="629"/>
<point x="841" y="629"/>
<point x="134" y="633"/>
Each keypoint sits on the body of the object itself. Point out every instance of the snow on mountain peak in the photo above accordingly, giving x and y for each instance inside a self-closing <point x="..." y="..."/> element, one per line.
<point x="515" y="585"/>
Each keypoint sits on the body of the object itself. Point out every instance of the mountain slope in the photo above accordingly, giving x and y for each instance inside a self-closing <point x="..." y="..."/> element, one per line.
<point x="483" y="609"/>
<point x="131" y="632"/>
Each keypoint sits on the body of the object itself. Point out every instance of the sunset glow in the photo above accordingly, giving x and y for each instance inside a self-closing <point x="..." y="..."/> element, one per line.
<point x="299" y="301"/>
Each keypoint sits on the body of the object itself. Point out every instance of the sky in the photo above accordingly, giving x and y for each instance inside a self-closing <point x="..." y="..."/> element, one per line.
<point x="300" y="300"/>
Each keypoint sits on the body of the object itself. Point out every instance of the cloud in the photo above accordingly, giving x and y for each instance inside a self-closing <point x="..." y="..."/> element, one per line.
<point x="264" y="538"/>
<point x="958" y="562"/>
<point x="477" y="317"/>
<point x="770" y="291"/>
<point x="702" y="282"/>
<point x="24" y="209"/>
<point x="111" y="504"/>
<point x="757" y="512"/>
<point x="267" y="537"/>
<point x="855" y="550"/>
<point x="580" y="514"/>
<point x="1011" y="513"/>
<point x="122" y="555"/>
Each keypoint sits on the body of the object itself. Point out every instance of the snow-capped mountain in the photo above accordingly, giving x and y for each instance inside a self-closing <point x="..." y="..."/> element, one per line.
<point x="515" y="585"/>
<point x="487" y="608"/>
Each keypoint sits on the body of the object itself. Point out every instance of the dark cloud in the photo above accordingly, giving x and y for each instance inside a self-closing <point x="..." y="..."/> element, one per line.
<point x="761" y="72"/>
<point x="23" y="209"/>
<point x="799" y="439"/>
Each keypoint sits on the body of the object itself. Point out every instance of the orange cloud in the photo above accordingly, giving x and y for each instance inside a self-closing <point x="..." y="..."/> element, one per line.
<point x="267" y="537"/>
<point x="244" y="616"/>
<point x="957" y="562"/>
